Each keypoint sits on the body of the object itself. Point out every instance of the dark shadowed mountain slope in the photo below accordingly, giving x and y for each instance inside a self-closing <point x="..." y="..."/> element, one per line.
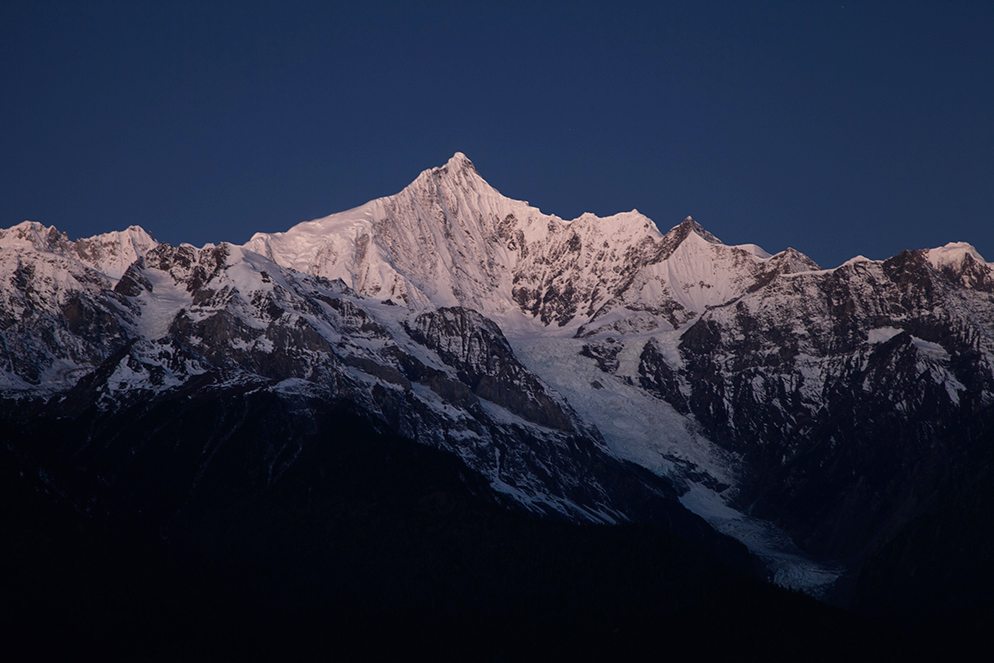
<point x="373" y="544"/>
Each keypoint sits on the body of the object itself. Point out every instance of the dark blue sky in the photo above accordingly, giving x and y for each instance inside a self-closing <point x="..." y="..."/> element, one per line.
<point x="836" y="128"/>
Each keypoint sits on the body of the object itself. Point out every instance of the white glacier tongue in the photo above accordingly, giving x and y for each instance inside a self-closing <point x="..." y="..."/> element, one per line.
<point x="651" y="433"/>
<point x="789" y="565"/>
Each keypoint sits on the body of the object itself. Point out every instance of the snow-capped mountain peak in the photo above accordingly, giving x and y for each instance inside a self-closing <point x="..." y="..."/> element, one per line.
<point x="451" y="239"/>
<point x="689" y="226"/>
<point x="109" y="253"/>
<point x="961" y="263"/>
<point x="953" y="254"/>
<point x="35" y="236"/>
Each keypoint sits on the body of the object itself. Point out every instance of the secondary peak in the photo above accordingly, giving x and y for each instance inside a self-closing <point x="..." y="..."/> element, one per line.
<point x="688" y="226"/>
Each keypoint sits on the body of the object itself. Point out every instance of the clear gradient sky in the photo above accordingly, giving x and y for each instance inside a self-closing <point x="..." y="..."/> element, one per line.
<point x="837" y="128"/>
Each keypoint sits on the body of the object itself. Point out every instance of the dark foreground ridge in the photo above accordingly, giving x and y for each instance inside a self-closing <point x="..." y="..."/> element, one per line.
<point x="375" y="544"/>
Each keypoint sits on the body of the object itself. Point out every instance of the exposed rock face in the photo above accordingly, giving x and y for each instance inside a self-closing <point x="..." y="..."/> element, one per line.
<point x="656" y="377"/>
<point x="484" y="362"/>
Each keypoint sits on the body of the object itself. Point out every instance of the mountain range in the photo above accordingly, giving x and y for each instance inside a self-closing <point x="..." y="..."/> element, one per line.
<point x="829" y="430"/>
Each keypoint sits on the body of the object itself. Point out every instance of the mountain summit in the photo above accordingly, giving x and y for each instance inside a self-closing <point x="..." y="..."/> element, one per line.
<point x="451" y="239"/>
